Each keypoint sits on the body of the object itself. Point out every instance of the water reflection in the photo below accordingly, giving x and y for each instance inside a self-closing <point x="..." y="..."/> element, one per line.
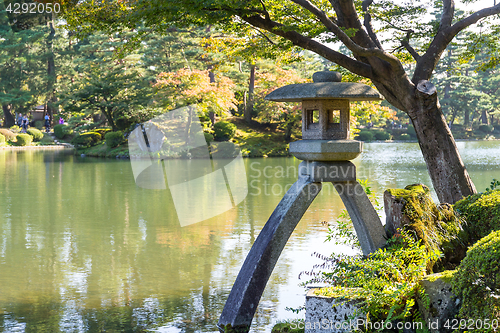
<point x="83" y="249"/>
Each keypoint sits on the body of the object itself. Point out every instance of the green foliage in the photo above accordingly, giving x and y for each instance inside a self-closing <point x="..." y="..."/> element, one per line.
<point x="438" y="226"/>
<point x="493" y="185"/>
<point x="102" y="131"/>
<point x="60" y="131"/>
<point x="382" y="135"/>
<point x="289" y="326"/>
<point x="15" y="129"/>
<point x="114" y="139"/>
<point x="86" y="139"/>
<point x="385" y="283"/>
<point x="2" y="139"/>
<point x="24" y="139"/>
<point x="411" y="131"/>
<point x="486" y="128"/>
<point x="47" y="139"/>
<point x="365" y="136"/>
<point x="35" y="133"/>
<point x="8" y="134"/>
<point x="405" y="137"/>
<point x="477" y="281"/>
<point x="482" y="213"/>
<point x="208" y="137"/>
<point x="224" y="131"/>
<point x="39" y="124"/>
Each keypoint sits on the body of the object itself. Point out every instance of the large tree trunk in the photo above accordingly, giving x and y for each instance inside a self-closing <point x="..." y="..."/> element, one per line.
<point x="9" y="118"/>
<point x="449" y="176"/>
<point x="251" y="85"/>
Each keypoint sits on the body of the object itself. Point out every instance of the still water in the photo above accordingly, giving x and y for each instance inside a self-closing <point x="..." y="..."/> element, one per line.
<point x="84" y="249"/>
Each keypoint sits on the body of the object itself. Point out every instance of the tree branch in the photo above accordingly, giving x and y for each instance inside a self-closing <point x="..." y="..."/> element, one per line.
<point x="448" y="13"/>
<point x="296" y="38"/>
<point x="473" y="18"/>
<point x="406" y="43"/>
<point x="348" y="42"/>
<point x="429" y="60"/>
<point x="368" y="23"/>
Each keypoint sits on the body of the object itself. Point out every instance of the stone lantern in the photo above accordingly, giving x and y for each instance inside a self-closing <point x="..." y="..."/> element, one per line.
<point x="326" y="150"/>
<point x="325" y="116"/>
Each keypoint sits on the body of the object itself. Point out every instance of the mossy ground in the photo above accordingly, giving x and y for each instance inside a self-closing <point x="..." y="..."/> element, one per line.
<point x="289" y="326"/>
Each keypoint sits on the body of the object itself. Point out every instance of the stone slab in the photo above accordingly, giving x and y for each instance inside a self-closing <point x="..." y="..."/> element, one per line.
<point x="326" y="150"/>
<point x="444" y="305"/>
<point x="322" y="316"/>
<point x="341" y="171"/>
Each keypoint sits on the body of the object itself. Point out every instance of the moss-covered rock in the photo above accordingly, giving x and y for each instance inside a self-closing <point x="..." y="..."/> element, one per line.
<point x="477" y="281"/>
<point x="438" y="226"/>
<point x="482" y="214"/>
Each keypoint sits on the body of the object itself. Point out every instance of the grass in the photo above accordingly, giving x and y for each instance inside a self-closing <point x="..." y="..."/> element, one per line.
<point x="259" y="140"/>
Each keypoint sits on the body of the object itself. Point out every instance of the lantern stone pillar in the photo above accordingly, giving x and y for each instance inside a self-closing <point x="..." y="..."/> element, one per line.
<point x="326" y="151"/>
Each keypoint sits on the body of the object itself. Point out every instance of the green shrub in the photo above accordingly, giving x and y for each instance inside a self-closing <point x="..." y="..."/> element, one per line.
<point x="486" y="128"/>
<point x="86" y="139"/>
<point x="39" y="124"/>
<point x="411" y="131"/>
<point x="2" y="139"/>
<point x="405" y="137"/>
<point x="15" y="129"/>
<point x="35" y="133"/>
<point x="60" y="131"/>
<point x="47" y="140"/>
<point x="224" y="131"/>
<point x="382" y="135"/>
<point x="208" y="137"/>
<point x="24" y="139"/>
<point x="114" y="139"/>
<point x="477" y="281"/>
<point x="8" y="134"/>
<point x="482" y="214"/>
<point x="365" y="136"/>
<point x="384" y="291"/>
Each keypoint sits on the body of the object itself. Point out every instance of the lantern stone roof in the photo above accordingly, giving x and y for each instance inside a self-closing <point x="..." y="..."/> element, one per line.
<point x="326" y="85"/>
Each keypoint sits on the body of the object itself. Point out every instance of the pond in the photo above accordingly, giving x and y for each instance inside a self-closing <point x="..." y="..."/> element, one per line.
<point x="84" y="249"/>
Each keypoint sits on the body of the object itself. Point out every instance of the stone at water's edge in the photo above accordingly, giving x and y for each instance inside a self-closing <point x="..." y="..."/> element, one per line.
<point x="443" y="304"/>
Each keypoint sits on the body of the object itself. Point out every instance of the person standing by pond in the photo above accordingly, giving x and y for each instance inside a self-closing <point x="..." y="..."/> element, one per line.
<point x="19" y="120"/>
<point x="47" y="123"/>
<point x="25" y="123"/>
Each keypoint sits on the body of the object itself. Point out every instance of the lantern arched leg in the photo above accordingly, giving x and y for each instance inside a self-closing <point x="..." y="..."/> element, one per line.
<point x="369" y="229"/>
<point x="247" y="290"/>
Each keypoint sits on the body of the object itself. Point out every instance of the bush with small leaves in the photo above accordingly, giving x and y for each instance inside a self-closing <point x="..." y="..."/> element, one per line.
<point x="477" y="281"/>
<point x="208" y="137"/>
<point x="405" y="137"/>
<point x="24" y="139"/>
<point x="114" y="139"/>
<point x="486" y="128"/>
<point x="2" y="139"/>
<point x="382" y="135"/>
<point x="39" y="124"/>
<point x="86" y="139"/>
<point x="365" y="136"/>
<point x="15" y="129"/>
<point x="8" y="134"/>
<point x="36" y="134"/>
<point x="224" y="131"/>
<point x="60" y="131"/>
